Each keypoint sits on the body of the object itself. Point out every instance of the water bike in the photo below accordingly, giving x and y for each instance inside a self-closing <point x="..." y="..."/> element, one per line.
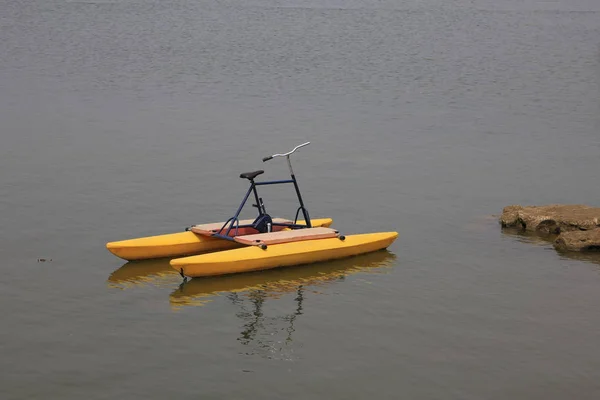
<point x="265" y="242"/>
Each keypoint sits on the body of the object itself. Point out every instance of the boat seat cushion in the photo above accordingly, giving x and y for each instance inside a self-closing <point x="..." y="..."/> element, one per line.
<point x="287" y="236"/>
<point x="209" y="229"/>
<point x="251" y="175"/>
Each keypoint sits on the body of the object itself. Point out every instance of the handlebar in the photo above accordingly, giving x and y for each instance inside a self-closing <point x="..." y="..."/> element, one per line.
<point x="285" y="154"/>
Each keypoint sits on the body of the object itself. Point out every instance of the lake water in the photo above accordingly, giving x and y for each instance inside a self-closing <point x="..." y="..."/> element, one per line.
<point x="123" y="119"/>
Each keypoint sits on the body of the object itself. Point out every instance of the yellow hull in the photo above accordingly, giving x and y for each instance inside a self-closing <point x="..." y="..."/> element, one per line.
<point x="281" y="255"/>
<point x="179" y="244"/>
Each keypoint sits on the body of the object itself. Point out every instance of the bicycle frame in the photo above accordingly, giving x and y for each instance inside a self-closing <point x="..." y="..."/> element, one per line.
<point x="234" y="222"/>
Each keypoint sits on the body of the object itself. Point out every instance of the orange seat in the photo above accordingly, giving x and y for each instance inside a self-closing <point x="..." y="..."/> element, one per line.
<point x="215" y="227"/>
<point x="287" y="236"/>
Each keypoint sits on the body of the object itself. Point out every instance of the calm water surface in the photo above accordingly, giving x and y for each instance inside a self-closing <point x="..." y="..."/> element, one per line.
<point x="129" y="118"/>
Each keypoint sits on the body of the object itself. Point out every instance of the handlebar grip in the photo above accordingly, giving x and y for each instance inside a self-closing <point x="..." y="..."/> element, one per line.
<point x="267" y="158"/>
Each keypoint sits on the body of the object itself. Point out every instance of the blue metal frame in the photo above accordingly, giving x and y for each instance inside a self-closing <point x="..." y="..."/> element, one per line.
<point x="234" y="222"/>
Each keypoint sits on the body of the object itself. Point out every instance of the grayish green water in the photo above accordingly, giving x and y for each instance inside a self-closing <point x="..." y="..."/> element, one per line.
<point x="123" y="119"/>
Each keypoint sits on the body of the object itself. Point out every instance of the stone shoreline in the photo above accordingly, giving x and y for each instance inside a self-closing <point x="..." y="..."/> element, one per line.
<point x="577" y="225"/>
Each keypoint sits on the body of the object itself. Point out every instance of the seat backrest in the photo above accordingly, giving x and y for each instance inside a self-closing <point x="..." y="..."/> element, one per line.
<point x="262" y="223"/>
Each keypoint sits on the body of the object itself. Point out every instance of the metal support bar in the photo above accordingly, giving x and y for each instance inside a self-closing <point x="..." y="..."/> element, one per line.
<point x="264" y="183"/>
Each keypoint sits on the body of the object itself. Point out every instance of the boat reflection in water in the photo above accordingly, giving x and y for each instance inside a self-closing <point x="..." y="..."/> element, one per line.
<point x="155" y="272"/>
<point x="271" y="336"/>
<point x="278" y="281"/>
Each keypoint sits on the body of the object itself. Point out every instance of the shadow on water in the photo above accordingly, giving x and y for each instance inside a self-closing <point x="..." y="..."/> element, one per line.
<point x="279" y="281"/>
<point x="546" y="240"/>
<point x="146" y="272"/>
<point x="158" y="272"/>
<point x="529" y="237"/>
<point x="592" y="257"/>
<point x="271" y="336"/>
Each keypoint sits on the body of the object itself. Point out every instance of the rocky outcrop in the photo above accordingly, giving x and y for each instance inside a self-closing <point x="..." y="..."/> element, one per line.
<point x="577" y="225"/>
<point x="578" y="241"/>
<point x="551" y="219"/>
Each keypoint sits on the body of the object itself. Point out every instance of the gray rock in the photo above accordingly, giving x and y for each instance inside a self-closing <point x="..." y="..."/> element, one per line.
<point x="583" y="241"/>
<point x="551" y="219"/>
